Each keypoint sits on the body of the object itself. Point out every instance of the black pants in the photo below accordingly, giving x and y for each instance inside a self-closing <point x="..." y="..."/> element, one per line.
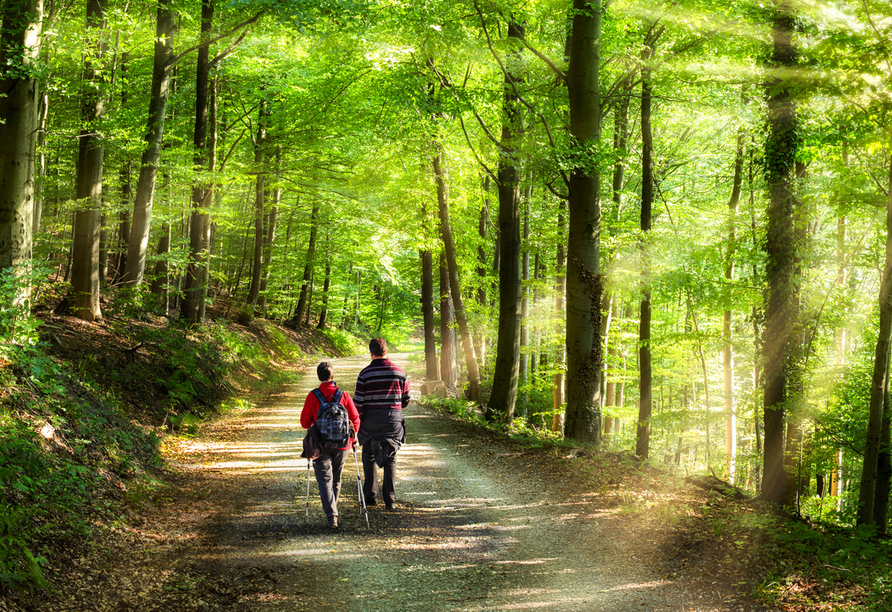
<point x="370" y="474"/>
<point x="328" y="469"/>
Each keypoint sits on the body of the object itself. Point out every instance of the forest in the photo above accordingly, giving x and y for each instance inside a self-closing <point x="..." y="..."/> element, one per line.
<point x="658" y="227"/>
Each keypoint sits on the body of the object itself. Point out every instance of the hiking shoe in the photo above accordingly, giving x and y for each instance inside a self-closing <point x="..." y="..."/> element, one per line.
<point x="333" y="522"/>
<point x="388" y="506"/>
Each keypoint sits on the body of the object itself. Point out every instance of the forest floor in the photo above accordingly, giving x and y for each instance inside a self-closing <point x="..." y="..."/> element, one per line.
<point x="481" y="523"/>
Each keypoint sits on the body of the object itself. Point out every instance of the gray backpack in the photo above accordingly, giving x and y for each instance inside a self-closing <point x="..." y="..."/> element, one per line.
<point x="333" y="422"/>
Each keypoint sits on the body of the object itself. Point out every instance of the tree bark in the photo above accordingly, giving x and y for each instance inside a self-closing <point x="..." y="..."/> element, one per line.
<point x="259" y="210"/>
<point x="303" y="301"/>
<point x="432" y="370"/>
<point x="201" y="190"/>
<point x="503" y="398"/>
<point x="584" y="282"/>
<point x="560" y="291"/>
<point x="727" y="349"/>
<point x="780" y="268"/>
<point x="326" y="285"/>
<point x="868" y="502"/>
<point x="645" y="367"/>
<point x="165" y="33"/>
<point x="19" y="102"/>
<point x="448" y="368"/>
<point x="85" y="269"/>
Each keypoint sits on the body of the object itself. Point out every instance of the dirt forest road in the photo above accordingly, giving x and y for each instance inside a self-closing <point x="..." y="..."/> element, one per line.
<point x="477" y="527"/>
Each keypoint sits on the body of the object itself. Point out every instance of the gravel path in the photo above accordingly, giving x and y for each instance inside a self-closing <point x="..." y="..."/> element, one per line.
<point x="476" y="527"/>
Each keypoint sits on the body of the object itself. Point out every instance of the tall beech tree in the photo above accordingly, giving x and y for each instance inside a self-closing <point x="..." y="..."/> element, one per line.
<point x="584" y="282"/>
<point x="781" y="248"/>
<point x="19" y="102"/>
<point x="503" y="397"/>
<point x="85" y="268"/>
<point x="166" y="29"/>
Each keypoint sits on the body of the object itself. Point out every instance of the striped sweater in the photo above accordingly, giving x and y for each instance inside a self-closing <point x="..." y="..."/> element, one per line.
<point x="381" y="385"/>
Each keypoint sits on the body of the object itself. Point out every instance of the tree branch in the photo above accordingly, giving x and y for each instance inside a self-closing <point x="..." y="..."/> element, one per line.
<point x="211" y="41"/>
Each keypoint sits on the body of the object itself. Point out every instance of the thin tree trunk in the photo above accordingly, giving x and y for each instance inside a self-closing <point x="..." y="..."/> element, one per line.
<point x="645" y="382"/>
<point x="85" y="269"/>
<point x="454" y="286"/>
<point x="201" y="191"/>
<point x="432" y="370"/>
<point x="560" y="291"/>
<point x="323" y="314"/>
<point x="481" y="269"/>
<point x="524" y="365"/>
<point x="448" y="369"/>
<point x="302" y="303"/>
<point x="727" y="349"/>
<point x="259" y="210"/>
<point x="165" y="33"/>
<point x="503" y="397"/>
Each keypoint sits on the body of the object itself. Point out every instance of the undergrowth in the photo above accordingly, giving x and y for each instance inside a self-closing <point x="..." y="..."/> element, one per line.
<point x="83" y="411"/>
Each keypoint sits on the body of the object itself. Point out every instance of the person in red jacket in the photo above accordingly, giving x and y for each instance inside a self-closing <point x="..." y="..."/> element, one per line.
<point x="328" y="466"/>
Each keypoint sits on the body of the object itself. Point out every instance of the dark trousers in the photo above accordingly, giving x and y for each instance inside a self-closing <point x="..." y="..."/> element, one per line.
<point x="370" y="474"/>
<point x="328" y="469"/>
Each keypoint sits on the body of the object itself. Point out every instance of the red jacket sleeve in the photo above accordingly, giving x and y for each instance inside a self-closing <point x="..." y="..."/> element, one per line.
<point x="310" y="411"/>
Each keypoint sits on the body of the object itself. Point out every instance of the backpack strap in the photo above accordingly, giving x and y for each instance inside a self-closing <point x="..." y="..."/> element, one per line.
<point x="337" y="396"/>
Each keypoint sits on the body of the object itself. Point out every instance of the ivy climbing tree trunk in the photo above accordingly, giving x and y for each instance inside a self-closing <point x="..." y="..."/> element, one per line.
<point x="165" y="32"/>
<point x="780" y="243"/>
<point x="19" y="102"/>
<point x="584" y="283"/>
<point x="503" y="397"/>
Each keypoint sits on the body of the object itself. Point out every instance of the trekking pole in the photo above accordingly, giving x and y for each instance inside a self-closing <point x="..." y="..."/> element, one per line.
<point x="359" y="493"/>
<point x="309" y="464"/>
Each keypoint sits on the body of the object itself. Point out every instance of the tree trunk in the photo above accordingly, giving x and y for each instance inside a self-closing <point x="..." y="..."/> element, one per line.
<point x="584" y="283"/>
<point x="432" y="371"/>
<point x="259" y="210"/>
<point x="645" y="367"/>
<point x="503" y="397"/>
<point x="85" y="272"/>
<point x="302" y="303"/>
<point x="454" y="286"/>
<point x="160" y="284"/>
<point x="727" y="349"/>
<point x="868" y="503"/>
<point x="323" y="314"/>
<point x="165" y="33"/>
<point x="19" y="102"/>
<point x="781" y="266"/>
<point x="560" y="290"/>
<point x="482" y="340"/>
<point x="448" y="369"/>
<point x="201" y="191"/>
<point x="524" y="365"/>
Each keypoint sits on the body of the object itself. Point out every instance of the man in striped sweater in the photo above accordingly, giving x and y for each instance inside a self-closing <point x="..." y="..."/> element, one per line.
<point x="382" y="391"/>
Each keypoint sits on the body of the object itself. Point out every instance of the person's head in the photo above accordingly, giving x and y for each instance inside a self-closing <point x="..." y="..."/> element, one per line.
<point x="325" y="371"/>
<point x="378" y="347"/>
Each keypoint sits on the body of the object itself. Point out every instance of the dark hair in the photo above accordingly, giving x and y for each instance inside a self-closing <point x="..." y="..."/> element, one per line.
<point x="324" y="370"/>
<point x="378" y="347"/>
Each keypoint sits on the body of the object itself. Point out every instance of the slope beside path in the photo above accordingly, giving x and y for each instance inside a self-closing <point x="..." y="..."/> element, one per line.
<point x="479" y="525"/>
